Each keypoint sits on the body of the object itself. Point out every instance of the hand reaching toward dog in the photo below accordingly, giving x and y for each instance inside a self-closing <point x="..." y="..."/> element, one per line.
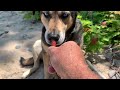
<point x="69" y="62"/>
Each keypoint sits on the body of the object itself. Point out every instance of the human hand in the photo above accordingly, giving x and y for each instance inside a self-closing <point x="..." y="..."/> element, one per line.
<point x="69" y="62"/>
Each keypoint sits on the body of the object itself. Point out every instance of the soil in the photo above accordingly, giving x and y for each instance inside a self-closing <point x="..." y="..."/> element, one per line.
<point x="17" y="37"/>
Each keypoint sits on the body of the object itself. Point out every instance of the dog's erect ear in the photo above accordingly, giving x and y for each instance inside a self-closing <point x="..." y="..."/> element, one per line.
<point x="74" y="14"/>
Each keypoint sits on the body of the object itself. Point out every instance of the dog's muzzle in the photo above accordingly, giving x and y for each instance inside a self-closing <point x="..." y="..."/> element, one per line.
<point x="52" y="36"/>
<point x="59" y="37"/>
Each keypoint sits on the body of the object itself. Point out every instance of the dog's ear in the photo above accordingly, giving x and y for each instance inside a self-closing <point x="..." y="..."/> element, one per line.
<point x="74" y="14"/>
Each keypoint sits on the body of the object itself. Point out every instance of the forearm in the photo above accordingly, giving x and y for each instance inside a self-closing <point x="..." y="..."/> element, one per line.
<point x="87" y="73"/>
<point x="80" y="72"/>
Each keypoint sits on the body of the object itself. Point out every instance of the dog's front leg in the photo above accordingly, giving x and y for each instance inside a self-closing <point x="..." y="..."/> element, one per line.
<point x="46" y="64"/>
<point x="37" y="52"/>
<point x="33" y="69"/>
<point x="47" y="75"/>
<point x="29" y="72"/>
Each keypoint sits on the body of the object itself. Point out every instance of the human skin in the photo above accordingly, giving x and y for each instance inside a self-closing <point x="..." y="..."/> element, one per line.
<point x="69" y="62"/>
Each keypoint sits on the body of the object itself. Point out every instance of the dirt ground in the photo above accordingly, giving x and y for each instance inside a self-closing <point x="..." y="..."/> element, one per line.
<point x="16" y="43"/>
<point x="17" y="39"/>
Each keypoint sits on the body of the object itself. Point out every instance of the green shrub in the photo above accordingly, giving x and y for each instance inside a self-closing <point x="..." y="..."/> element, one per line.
<point x="29" y="15"/>
<point x="100" y="29"/>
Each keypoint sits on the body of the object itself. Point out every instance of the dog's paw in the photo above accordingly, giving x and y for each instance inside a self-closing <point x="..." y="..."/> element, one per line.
<point x="26" y="62"/>
<point x="26" y="74"/>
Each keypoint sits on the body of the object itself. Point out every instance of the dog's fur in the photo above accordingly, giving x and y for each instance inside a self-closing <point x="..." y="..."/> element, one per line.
<point x="61" y="26"/>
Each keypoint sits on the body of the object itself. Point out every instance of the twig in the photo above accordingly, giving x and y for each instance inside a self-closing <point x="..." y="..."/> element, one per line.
<point x="96" y="70"/>
<point x="113" y="47"/>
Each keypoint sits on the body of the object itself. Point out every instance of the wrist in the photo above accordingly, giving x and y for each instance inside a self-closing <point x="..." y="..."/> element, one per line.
<point x="86" y="73"/>
<point x="81" y="71"/>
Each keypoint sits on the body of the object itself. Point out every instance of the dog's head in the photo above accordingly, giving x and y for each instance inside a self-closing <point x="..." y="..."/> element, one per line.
<point x="57" y="23"/>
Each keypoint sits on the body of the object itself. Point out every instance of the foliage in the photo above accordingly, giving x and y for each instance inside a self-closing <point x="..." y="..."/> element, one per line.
<point x="100" y="28"/>
<point x="29" y="15"/>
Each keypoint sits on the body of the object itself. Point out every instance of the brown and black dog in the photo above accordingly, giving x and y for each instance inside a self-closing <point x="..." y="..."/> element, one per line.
<point x="60" y="26"/>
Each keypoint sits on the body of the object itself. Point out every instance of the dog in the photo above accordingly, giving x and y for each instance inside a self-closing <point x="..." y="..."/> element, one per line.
<point x="60" y="26"/>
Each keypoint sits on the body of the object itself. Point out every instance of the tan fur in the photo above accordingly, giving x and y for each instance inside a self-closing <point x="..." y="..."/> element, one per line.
<point x="56" y="23"/>
<point x="69" y="22"/>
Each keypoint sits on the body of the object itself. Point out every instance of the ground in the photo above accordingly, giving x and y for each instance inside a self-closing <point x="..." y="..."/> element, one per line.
<point x="16" y="39"/>
<point x="16" y="43"/>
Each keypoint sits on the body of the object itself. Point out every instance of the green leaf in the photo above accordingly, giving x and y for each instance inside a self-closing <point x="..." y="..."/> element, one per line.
<point x="105" y="39"/>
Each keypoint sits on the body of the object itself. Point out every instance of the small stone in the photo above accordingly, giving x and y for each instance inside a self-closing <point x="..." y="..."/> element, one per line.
<point x="18" y="47"/>
<point x="25" y="36"/>
<point x="116" y="63"/>
<point x="28" y="49"/>
<point x="7" y="25"/>
<point x="6" y="32"/>
<point x="114" y="75"/>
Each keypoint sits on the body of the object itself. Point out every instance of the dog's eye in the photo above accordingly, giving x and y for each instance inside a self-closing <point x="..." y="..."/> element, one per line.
<point x="64" y="15"/>
<point x="46" y="14"/>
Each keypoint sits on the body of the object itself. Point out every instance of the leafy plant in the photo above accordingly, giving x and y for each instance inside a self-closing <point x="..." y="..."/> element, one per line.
<point x="100" y="30"/>
<point x="29" y="15"/>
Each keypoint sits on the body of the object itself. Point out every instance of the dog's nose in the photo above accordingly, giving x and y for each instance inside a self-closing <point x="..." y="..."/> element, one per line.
<point x="52" y="36"/>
